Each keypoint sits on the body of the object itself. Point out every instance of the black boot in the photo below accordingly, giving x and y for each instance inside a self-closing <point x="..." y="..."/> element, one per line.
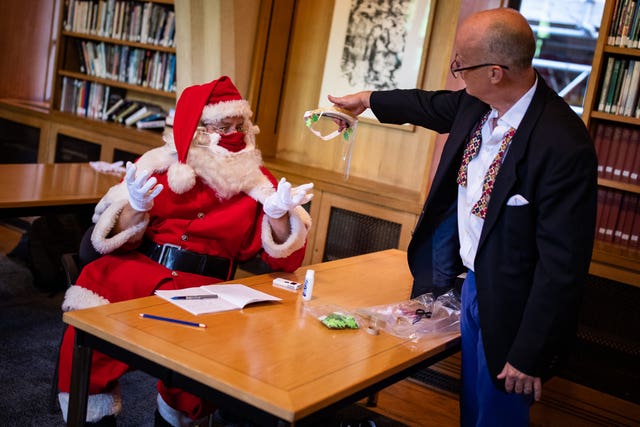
<point x="158" y="421"/>
<point x="108" y="421"/>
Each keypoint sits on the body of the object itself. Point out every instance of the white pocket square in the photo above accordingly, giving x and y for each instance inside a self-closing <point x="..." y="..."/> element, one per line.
<point x="517" y="200"/>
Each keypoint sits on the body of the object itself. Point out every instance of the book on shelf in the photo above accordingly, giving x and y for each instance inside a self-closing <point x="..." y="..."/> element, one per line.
<point x="622" y="151"/>
<point x="618" y="108"/>
<point x="121" y="116"/>
<point x="143" y="112"/>
<point x="614" y="201"/>
<point x="617" y="89"/>
<point x="628" y="211"/>
<point x="229" y="297"/>
<point x="608" y="150"/>
<point x="634" y="169"/>
<point x="118" y="109"/>
<point x="67" y="95"/>
<point x="113" y="108"/>
<point x="634" y="237"/>
<point x="597" y="130"/>
<point x="144" y="22"/>
<point x="612" y="155"/>
<point x="631" y="95"/>
<point x="615" y="74"/>
<point x="605" y="83"/>
<point x="631" y="151"/>
<point x="151" y="124"/>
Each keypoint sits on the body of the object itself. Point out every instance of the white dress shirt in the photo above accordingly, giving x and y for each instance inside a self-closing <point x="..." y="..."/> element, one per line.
<point x="470" y="225"/>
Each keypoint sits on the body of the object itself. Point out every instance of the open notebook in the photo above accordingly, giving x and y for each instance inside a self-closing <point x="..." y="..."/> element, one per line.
<point x="230" y="297"/>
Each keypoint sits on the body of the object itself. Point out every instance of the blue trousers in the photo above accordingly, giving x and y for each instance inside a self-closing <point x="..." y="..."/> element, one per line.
<point x="481" y="402"/>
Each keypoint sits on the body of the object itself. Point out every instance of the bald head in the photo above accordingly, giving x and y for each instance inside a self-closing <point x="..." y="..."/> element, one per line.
<point x="501" y="36"/>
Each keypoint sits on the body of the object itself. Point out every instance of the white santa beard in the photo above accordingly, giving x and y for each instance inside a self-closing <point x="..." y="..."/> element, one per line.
<point x="229" y="173"/>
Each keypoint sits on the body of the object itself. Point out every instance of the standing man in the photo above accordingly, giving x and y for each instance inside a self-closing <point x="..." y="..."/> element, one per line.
<point x="512" y="203"/>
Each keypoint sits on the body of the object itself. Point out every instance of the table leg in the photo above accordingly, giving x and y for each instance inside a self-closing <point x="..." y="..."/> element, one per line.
<point x="79" y="391"/>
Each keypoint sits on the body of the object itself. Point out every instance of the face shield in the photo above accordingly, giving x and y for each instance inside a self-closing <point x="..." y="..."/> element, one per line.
<point x="329" y="123"/>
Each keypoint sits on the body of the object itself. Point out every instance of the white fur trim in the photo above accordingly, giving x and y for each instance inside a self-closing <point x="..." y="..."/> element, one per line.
<point x="216" y="112"/>
<point x="181" y="177"/>
<point x="105" y="223"/>
<point x="98" y="405"/>
<point x="115" y="193"/>
<point x="300" y="222"/>
<point x="77" y="298"/>
<point x="159" y="159"/>
<point x="175" y="417"/>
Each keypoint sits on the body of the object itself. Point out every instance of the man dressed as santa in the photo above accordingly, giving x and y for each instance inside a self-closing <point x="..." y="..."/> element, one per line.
<point x="184" y="216"/>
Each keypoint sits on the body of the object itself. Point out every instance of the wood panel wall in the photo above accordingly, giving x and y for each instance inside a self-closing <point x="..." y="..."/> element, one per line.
<point x="27" y="43"/>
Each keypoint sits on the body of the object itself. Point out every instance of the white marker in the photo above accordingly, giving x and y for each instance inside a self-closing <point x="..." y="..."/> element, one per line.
<point x="307" y="291"/>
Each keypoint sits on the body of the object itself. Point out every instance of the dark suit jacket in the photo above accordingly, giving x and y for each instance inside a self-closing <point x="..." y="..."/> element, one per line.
<point x="532" y="260"/>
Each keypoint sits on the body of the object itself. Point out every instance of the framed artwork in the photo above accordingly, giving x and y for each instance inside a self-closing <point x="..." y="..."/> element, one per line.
<point x="375" y="45"/>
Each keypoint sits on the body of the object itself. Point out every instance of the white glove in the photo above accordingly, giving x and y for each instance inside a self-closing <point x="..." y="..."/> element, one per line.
<point x="104" y="167"/>
<point x="142" y="189"/>
<point x="286" y="198"/>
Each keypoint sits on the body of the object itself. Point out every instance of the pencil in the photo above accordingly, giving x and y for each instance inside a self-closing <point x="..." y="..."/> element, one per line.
<point x="168" y="319"/>
<point x="187" y="297"/>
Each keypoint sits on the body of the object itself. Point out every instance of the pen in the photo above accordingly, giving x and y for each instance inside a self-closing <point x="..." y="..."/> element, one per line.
<point x="168" y="319"/>
<point x="196" y="296"/>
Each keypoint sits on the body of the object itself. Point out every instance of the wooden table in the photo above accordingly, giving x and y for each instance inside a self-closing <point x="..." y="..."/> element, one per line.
<point x="29" y="189"/>
<point x="272" y="361"/>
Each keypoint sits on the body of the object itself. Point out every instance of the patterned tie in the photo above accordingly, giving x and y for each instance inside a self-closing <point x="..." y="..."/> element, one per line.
<point x="480" y="207"/>
<point x="471" y="150"/>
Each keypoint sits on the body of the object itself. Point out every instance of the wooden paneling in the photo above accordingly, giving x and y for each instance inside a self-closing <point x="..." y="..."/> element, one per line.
<point x="26" y="47"/>
<point x="215" y="37"/>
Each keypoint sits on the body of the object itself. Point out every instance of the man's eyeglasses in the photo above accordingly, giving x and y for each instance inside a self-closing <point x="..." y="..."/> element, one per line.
<point x="456" y="70"/>
<point x="221" y="130"/>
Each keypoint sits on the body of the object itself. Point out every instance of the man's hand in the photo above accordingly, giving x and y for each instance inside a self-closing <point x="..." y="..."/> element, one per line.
<point x="519" y="382"/>
<point x="286" y="198"/>
<point x="142" y="189"/>
<point x="355" y="103"/>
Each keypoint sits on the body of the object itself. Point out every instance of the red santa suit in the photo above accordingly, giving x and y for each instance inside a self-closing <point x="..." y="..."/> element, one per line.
<point x="209" y="213"/>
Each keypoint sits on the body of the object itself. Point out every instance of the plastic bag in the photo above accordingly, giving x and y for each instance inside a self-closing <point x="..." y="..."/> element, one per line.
<point x="416" y="317"/>
<point x="334" y="317"/>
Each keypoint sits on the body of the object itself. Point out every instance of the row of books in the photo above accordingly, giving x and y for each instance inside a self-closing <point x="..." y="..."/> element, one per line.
<point x="617" y="219"/>
<point x="620" y="87"/>
<point x="618" y="150"/>
<point x="625" y="25"/>
<point x="143" y="22"/>
<point x="142" y="67"/>
<point x="103" y="102"/>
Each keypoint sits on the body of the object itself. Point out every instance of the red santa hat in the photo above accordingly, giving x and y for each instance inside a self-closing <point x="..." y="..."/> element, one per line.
<point x="210" y="102"/>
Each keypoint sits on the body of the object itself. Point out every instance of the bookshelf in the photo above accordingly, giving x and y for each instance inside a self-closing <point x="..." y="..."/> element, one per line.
<point x="111" y="50"/>
<point x="612" y="114"/>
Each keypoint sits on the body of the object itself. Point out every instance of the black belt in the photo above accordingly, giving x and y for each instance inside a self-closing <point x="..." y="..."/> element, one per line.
<point x="175" y="258"/>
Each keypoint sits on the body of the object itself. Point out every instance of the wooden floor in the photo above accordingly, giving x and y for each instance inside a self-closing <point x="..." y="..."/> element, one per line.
<point x="416" y="405"/>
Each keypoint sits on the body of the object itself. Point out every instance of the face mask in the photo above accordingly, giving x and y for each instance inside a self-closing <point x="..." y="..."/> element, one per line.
<point x="328" y="123"/>
<point x="233" y="142"/>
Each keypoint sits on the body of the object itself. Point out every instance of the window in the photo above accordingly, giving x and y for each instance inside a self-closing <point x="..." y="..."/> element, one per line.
<point x="566" y="34"/>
